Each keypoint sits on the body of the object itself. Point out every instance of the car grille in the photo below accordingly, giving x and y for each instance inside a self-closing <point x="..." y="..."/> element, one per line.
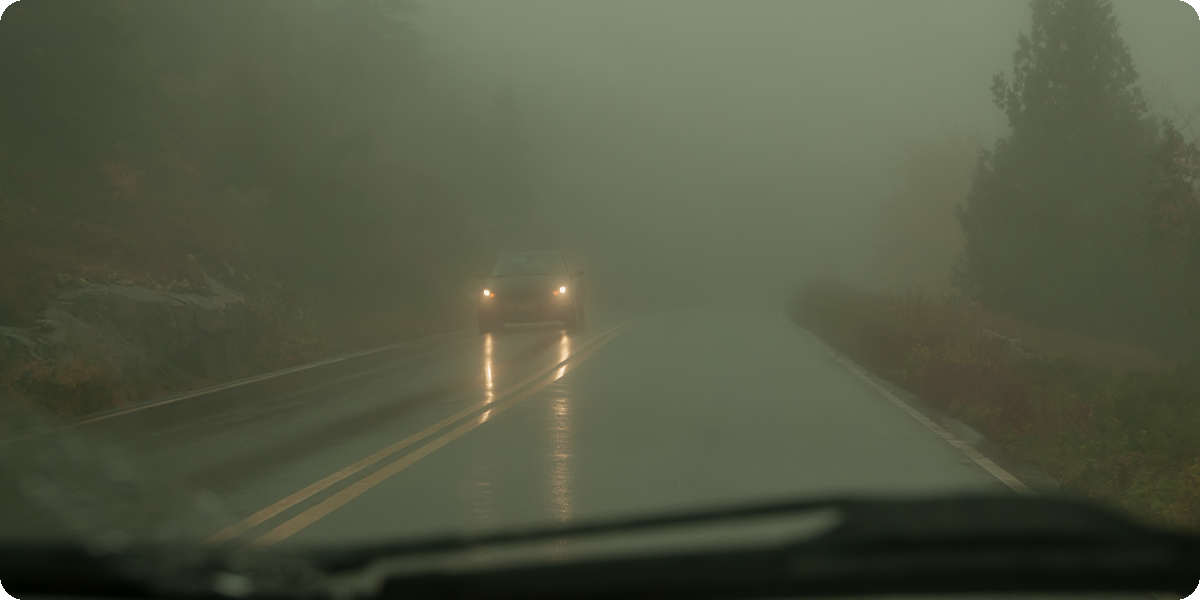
<point x="525" y="294"/>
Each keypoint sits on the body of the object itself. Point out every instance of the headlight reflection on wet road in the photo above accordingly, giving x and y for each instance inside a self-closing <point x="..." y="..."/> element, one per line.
<point x="564" y="352"/>
<point x="489" y="378"/>
<point x="560" y="458"/>
<point x="559" y="475"/>
<point x="560" y="440"/>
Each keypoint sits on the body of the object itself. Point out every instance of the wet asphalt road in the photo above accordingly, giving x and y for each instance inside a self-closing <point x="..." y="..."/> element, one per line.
<point x="678" y="411"/>
<point x="470" y="433"/>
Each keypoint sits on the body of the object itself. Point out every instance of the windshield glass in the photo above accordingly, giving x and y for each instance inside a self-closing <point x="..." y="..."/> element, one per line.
<point x="283" y="274"/>
<point x="528" y="264"/>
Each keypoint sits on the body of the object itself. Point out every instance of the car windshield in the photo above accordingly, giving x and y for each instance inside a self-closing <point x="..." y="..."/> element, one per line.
<point x="291" y="274"/>
<point x="528" y="264"/>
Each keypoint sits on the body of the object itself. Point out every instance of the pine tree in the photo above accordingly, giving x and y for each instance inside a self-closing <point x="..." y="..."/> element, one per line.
<point x="1053" y="218"/>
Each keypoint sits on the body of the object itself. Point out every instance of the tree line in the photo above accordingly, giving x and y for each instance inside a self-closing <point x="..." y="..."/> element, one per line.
<point x="1087" y="214"/>
<point x="313" y="147"/>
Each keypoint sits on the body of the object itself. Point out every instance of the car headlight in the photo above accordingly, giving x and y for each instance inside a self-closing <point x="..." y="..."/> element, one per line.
<point x="487" y="293"/>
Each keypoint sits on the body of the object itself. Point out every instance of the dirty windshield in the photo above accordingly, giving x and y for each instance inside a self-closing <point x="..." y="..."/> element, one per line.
<point x="255" y="260"/>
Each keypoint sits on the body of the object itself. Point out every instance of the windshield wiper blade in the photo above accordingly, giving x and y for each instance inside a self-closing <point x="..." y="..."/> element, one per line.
<point x="334" y="558"/>
<point x="957" y="544"/>
<point x="952" y="515"/>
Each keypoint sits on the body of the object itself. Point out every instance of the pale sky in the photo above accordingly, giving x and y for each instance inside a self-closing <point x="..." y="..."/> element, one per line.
<point x="761" y="132"/>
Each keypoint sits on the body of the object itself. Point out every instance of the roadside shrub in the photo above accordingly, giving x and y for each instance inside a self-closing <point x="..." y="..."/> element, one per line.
<point x="1124" y="434"/>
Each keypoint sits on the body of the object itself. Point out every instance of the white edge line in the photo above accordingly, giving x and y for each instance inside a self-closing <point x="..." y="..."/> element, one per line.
<point x="257" y="378"/>
<point x="983" y="462"/>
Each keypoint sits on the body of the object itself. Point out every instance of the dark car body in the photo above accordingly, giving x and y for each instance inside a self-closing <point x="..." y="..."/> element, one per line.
<point x="528" y="287"/>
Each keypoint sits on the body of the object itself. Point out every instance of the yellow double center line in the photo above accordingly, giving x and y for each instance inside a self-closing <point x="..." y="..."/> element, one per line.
<point x="504" y="400"/>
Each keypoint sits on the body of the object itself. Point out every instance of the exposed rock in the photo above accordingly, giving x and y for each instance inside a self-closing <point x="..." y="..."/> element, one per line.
<point x="16" y="344"/>
<point x="99" y="339"/>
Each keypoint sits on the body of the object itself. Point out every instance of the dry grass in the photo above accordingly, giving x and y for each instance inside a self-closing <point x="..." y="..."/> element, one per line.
<point x="1110" y="422"/>
<point x="74" y="386"/>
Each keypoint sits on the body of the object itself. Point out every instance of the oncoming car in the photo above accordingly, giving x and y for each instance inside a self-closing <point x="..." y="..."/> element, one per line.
<point x="526" y="287"/>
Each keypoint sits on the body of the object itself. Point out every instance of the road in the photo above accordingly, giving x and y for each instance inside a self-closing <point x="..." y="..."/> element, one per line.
<point x="468" y="433"/>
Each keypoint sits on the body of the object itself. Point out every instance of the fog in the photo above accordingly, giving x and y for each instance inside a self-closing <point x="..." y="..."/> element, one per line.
<point x="715" y="146"/>
<point x="353" y="168"/>
<point x="250" y="244"/>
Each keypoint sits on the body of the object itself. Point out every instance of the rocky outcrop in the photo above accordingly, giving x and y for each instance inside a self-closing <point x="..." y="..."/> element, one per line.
<point x="99" y="346"/>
